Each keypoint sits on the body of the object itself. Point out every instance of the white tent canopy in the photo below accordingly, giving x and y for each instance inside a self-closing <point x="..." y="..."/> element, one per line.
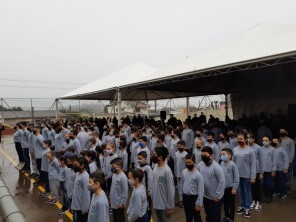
<point x="105" y="88"/>
<point x="260" y="60"/>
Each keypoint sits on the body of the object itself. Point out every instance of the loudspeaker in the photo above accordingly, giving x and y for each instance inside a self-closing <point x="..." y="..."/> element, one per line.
<point x="162" y="114"/>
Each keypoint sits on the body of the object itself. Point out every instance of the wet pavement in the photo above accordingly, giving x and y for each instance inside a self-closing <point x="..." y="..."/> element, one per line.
<point x="33" y="205"/>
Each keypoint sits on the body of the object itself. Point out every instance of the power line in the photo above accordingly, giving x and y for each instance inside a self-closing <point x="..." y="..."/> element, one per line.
<point x="38" y="87"/>
<point x="37" y="81"/>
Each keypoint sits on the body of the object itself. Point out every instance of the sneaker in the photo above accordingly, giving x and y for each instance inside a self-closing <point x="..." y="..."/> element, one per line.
<point x="253" y="205"/>
<point x="44" y="194"/>
<point x="247" y="214"/>
<point x="239" y="211"/>
<point x="258" y="207"/>
<point x="275" y="194"/>
<point x="110" y="210"/>
<point x="181" y="204"/>
<point x="54" y="201"/>
<point x="49" y="201"/>
<point x="61" y="212"/>
<point x="283" y="196"/>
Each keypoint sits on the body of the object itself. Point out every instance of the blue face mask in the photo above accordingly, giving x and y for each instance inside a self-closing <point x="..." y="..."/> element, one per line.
<point x="141" y="144"/>
<point x="224" y="158"/>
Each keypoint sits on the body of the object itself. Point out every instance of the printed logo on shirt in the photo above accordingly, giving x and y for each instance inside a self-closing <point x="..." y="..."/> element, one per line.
<point x="246" y="156"/>
<point x="160" y="179"/>
<point x="228" y="171"/>
<point x="93" y="210"/>
<point x="72" y="178"/>
<point x="212" y="176"/>
<point x="269" y="154"/>
<point x="193" y="181"/>
<point x="78" y="183"/>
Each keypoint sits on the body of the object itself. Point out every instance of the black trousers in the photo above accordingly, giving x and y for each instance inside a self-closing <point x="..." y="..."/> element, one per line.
<point x="256" y="189"/>
<point x="118" y="215"/>
<point x="189" y="208"/>
<point x="38" y="163"/>
<point x="213" y="210"/>
<point x="19" y="151"/>
<point x="79" y="217"/>
<point x="27" y="165"/>
<point x="229" y="203"/>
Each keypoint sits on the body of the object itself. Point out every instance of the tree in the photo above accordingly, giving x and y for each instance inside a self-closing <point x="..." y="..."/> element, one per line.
<point x="13" y="108"/>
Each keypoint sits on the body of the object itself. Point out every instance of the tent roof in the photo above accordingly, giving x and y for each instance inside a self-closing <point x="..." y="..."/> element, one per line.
<point x="264" y="45"/>
<point x="105" y="87"/>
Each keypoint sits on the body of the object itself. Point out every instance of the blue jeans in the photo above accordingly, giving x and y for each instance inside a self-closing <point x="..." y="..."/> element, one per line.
<point x="280" y="183"/>
<point x="245" y="193"/>
<point x="65" y="197"/>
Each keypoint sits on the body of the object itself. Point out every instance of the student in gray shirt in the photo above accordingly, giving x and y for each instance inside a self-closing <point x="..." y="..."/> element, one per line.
<point x="232" y="181"/>
<point x="25" y="145"/>
<point x="99" y="206"/>
<point x="163" y="189"/>
<point x="245" y="160"/>
<point x="214" y="184"/>
<point x="137" y="208"/>
<point x="188" y="136"/>
<point x="75" y="142"/>
<point x="214" y="146"/>
<point x="17" y="139"/>
<point x="70" y="178"/>
<point x="119" y="190"/>
<point x="256" y="187"/>
<point x="81" y="195"/>
<point x="282" y="167"/>
<point x="269" y="167"/>
<point x="192" y="187"/>
<point x="289" y="145"/>
<point x="53" y="176"/>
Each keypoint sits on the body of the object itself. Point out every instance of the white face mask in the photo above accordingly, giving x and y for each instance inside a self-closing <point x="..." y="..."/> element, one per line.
<point x="131" y="182"/>
<point x="265" y="143"/>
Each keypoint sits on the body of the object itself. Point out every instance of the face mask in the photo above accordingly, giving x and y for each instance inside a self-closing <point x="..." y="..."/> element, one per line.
<point x="222" y="138"/>
<point x="91" y="188"/>
<point x="113" y="170"/>
<point x="205" y="159"/>
<point x="173" y="136"/>
<point x="71" y="137"/>
<point x="180" y="150"/>
<point x="265" y="143"/>
<point x="198" y="135"/>
<point x="209" y="140"/>
<point x="108" y="152"/>
<point x="34" y="132"/>
<point x="70" y="166"/>
<point x="154" y="159"/>
<point x="141" y="144"/>
<point x="153" y="135"/>
<point x="131" y="182"/>
<point x="283" y="134"/>
<point x="141" y="162"/>
<point x="67" y="140"/>
<point x="230" y="135"/>
<point x="241" y="143"/>
<point x="274" y="144"/>
<point x="224" y="158"/>
<point x="198" y="147"/>
<point x="76" y="169"/>
<point x="190" y="166"/>
<point x="29" y="129"/>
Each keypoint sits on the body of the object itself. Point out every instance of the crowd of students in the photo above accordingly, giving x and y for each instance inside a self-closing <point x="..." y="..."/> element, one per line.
<point x="93" y="163"/>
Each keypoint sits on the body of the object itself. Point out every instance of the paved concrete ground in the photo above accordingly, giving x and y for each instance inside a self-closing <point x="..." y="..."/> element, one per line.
<point x="35" y="209"/>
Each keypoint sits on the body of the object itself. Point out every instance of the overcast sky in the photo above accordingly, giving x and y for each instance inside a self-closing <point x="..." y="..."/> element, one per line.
<point x="78" y="41"/>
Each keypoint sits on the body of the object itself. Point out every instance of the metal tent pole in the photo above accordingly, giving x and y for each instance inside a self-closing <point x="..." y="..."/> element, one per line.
<point x="187" y="106"/>
<point x="119" y="105"/>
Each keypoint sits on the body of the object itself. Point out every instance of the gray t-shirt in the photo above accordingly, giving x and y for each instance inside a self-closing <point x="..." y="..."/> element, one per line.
<point x="138" y="204"/>
<point x="99" y="209"/>
<point x="119" y="190"/>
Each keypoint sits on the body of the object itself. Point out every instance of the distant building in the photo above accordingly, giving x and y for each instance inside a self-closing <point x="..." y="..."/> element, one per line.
<point x="13" y="117"/>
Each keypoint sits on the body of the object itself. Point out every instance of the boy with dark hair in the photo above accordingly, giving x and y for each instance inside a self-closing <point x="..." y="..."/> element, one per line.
<point x="119" y="190"/>
<point x="232" y="182"/>
<point x="163" y="189"/>
<point x="64" y="171"/>
<point x="192" y="187"/>
<point x="99" y="206"/>
<point x="179" y="166"/>
<point x="138" y="202"/>
<point x="214" y="183"/>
